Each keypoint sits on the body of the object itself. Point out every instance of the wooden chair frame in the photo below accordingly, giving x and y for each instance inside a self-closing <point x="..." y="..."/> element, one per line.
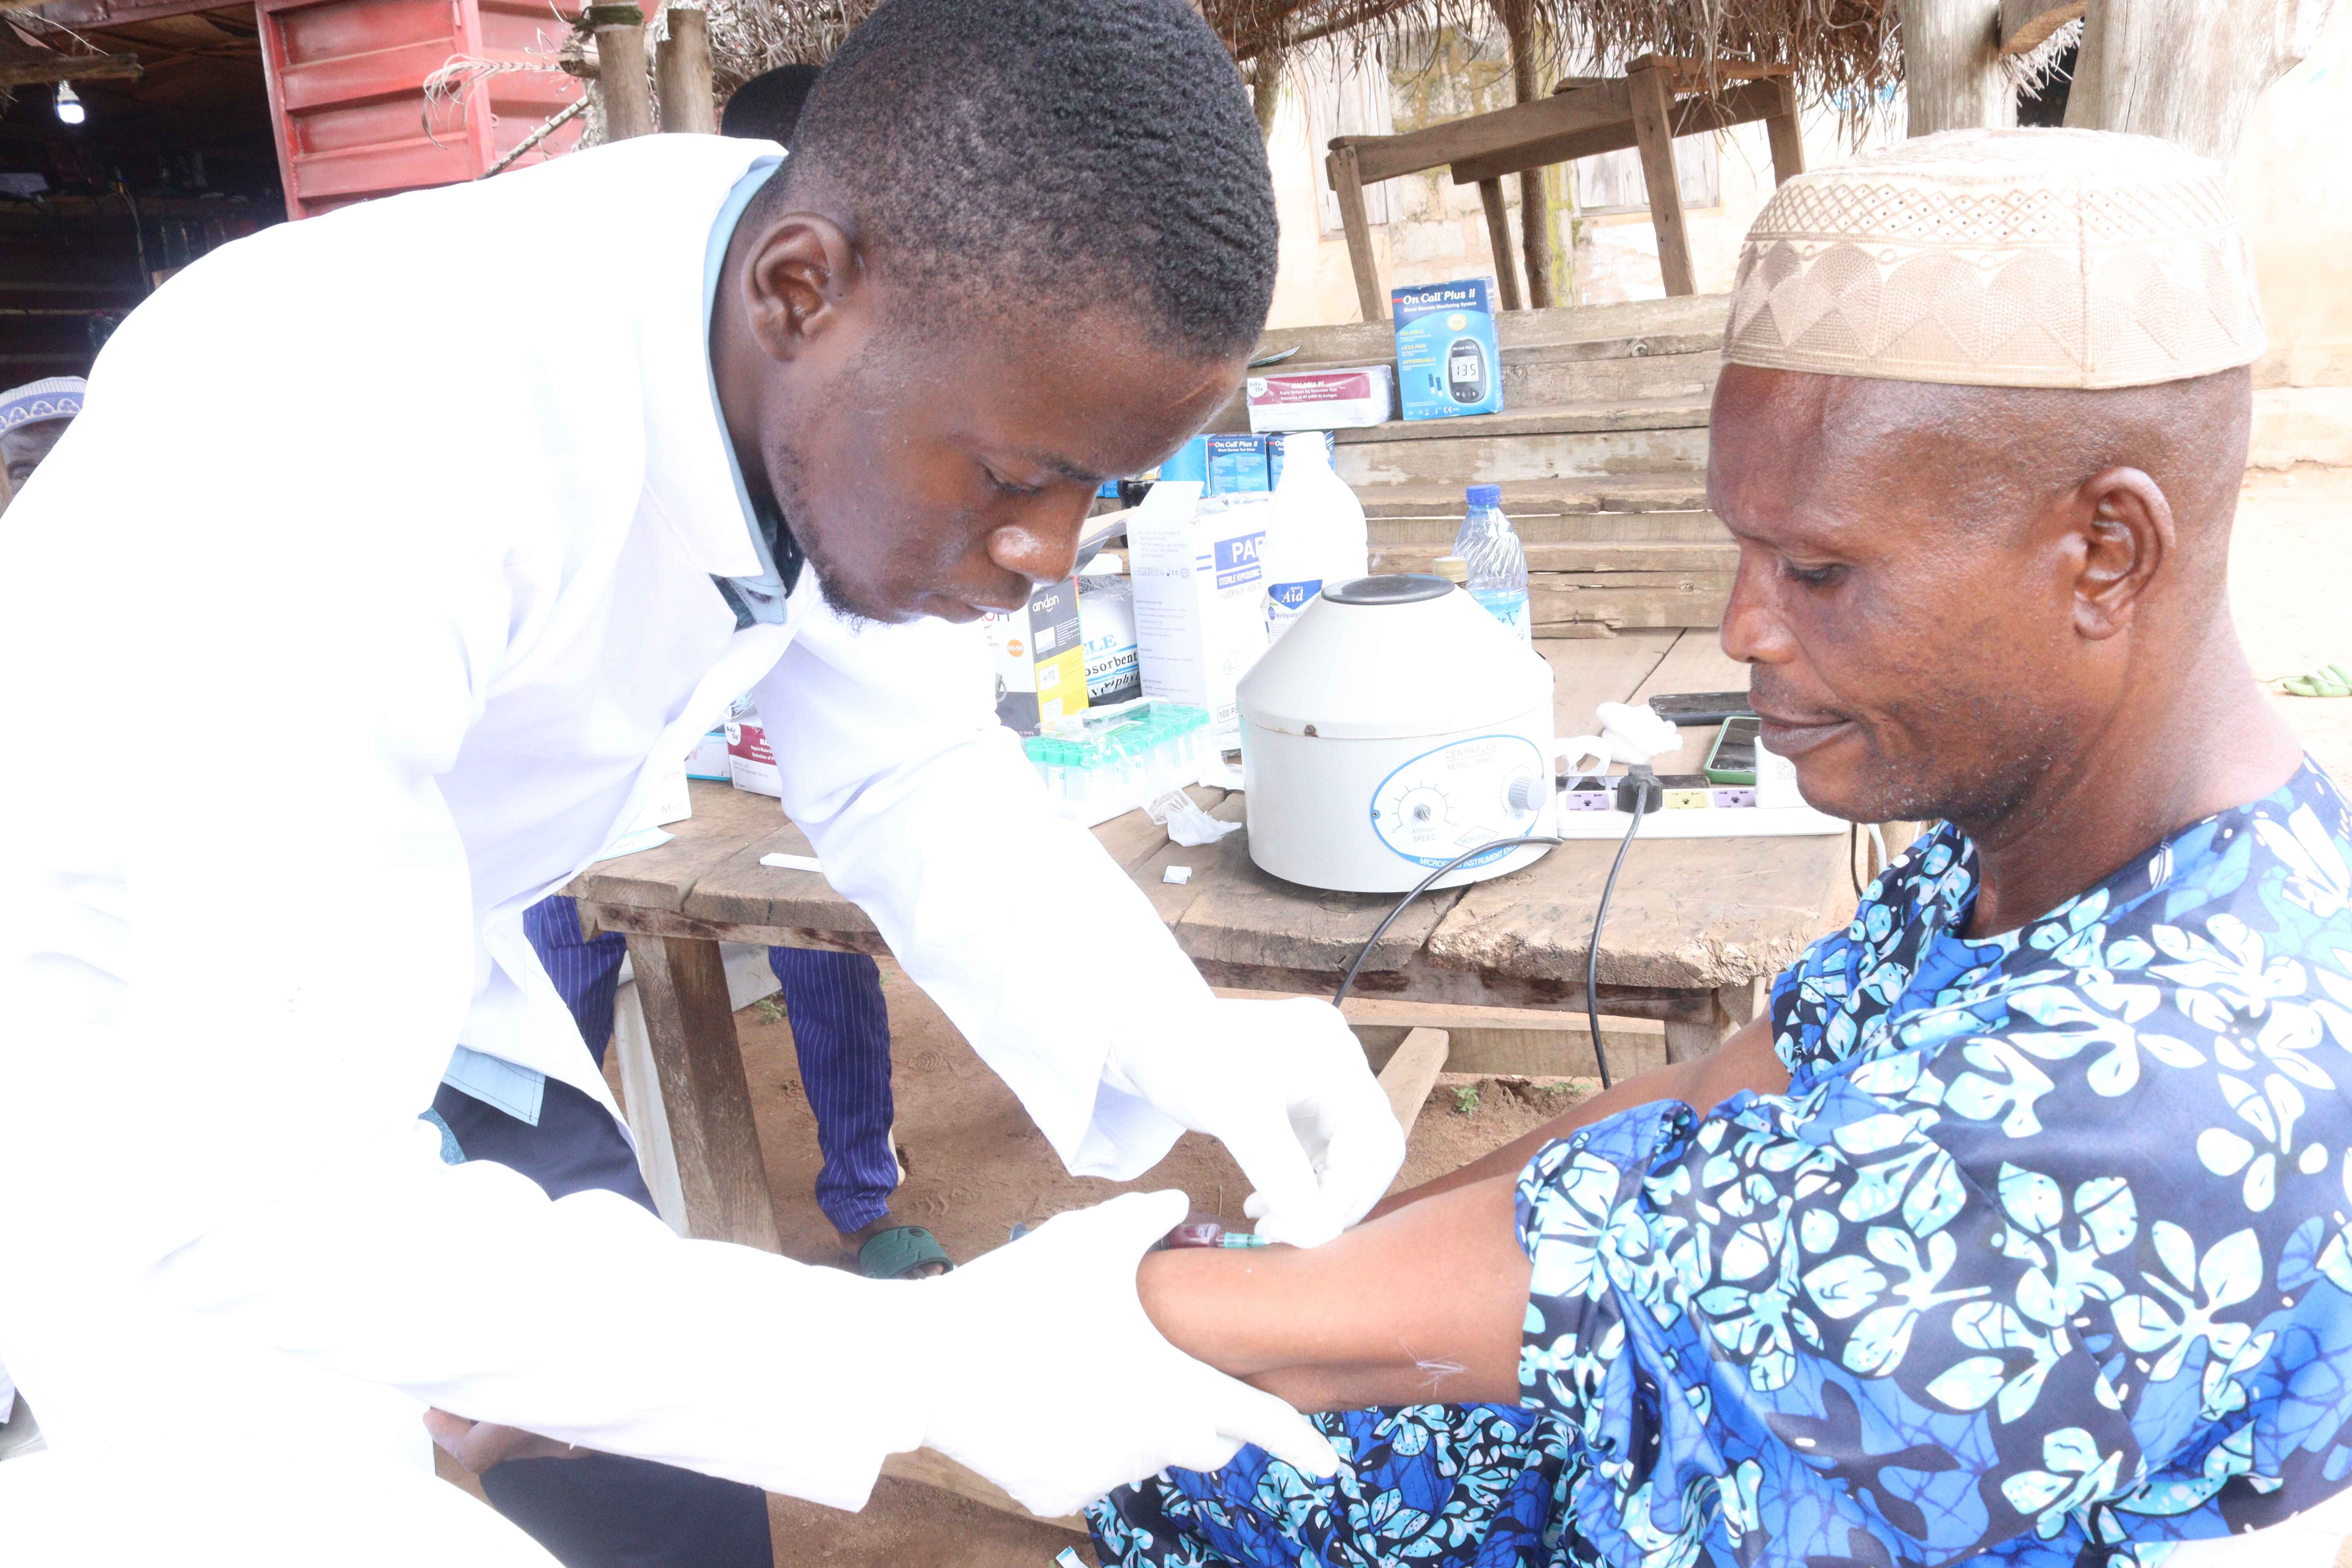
<point x="1657" y="99"/>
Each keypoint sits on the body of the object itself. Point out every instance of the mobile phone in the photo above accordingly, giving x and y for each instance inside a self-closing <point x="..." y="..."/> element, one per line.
<point x="1732" y="759"/>
<point x="1700" y="707"/>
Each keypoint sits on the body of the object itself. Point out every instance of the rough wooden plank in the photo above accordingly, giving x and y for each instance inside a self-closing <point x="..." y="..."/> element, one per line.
<point x="1466" y="458"/>
<point x="1693" y="600"/>
<point x="1599" y="559"/>
<point x="725" y="821"/>
<point x="1407" y="1078"/>
<point x="1607" y="528"/>
<point x="1347" y="184"/>
<point x="682" y="73"/>
<point x="1652" y="95"/>
<point x="1386" y="157"/>
<point x="1498" y="237"/>
<point x="1585" y="675"/>
<point x="1535" y="498"/>
<point x="1785" y="133"/>
<point x="1692" y="117"/>
<point x="1696" y="663"/>
<point x="1702" y="317"/>
<point x="1534" y="422"/>
<point x="1233" y="913"/>
<point x="682" y="983"/>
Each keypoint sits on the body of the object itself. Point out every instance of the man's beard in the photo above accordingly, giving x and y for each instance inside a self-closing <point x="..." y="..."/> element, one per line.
<point x="783" y="480"/>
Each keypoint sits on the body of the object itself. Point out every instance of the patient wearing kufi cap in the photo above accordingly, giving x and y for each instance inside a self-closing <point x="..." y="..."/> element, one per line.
<point x="2015" y="1227"/>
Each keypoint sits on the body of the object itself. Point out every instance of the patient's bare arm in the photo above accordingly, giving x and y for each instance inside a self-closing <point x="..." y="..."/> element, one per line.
<point x="1425" y="1300"/>
<point x="1424" y="1304"/>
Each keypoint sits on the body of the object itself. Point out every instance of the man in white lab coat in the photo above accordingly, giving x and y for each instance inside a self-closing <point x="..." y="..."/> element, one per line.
<point x="502" y="492"/>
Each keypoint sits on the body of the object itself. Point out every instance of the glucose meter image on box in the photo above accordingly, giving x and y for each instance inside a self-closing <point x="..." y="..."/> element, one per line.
<point x="1466" y="372"/>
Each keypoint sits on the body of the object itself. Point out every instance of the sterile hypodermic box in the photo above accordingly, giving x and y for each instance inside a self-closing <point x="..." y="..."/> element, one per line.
<point x="1448" y="363"/>
<point x="1040" y="658"/>
<point x="1200" y="592"/>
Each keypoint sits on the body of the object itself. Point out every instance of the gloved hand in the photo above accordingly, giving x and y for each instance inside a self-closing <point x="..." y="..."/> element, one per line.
<point x="1053" y="1384"/>
<point x="1285" y="1087"/>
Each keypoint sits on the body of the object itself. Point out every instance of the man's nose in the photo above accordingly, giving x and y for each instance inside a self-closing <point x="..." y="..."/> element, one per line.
<point x="1753" y="632"/>
<point x="1042" y="548"/>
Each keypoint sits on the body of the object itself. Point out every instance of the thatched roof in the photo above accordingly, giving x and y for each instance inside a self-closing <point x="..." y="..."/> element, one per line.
<point x="1844" y="51"/>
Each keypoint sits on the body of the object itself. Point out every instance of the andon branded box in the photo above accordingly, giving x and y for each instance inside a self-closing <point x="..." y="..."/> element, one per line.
<point x="1448" y="364"/>
<point x="1040" y="658"/>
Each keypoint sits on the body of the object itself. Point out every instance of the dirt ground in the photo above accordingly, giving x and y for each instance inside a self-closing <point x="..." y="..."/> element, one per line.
<point x="974" y="1165"/>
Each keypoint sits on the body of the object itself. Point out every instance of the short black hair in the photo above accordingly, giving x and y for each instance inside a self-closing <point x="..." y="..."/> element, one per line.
<point x="1070" y="151"/>
<point x="769" y="105"/>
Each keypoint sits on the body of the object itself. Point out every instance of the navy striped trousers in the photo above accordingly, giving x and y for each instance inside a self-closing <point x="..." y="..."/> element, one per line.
<point x="840" y="1032"/>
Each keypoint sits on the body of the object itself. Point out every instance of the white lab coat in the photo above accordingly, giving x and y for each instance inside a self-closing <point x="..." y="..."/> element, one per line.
<point x="359" y="611"/>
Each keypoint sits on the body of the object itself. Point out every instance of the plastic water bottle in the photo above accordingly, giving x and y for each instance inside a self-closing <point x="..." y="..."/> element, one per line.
<point x="1315" y="533"/>
<point x="1497" y="565"/>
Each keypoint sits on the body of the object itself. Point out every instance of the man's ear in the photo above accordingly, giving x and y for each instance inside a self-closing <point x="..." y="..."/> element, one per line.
<point x="2126" y="537"/>
<point x="803" y="275"/>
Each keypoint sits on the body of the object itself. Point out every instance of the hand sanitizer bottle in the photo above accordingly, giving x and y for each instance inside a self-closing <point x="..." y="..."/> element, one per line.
<point x="1497" y="565"/>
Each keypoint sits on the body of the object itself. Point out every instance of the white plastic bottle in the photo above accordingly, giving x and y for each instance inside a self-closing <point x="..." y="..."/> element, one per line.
<point x="1499" y="565"/>
<point x="1315" y="534"/>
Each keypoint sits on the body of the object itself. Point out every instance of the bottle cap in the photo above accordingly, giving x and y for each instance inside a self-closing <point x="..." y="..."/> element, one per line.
<point x="1452" y="568"/>
<point x="1484" y="495"/>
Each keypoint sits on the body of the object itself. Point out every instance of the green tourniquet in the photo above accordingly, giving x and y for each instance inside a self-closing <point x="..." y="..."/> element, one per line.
<point x="2328" y="681"/>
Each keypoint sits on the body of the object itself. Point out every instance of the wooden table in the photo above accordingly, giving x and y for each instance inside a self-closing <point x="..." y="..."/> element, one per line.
<point x="1695" y="927"/>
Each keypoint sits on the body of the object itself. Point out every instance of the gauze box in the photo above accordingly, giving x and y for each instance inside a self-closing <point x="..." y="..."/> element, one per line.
<point x="1448" y="363"/>
<point x="1321" y="399"/>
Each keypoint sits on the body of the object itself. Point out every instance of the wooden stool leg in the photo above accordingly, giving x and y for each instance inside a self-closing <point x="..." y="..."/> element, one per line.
<point x="1787" y="137"/>
<point x="1695" y="1027"/>
<point x="682" y="983"/>
<point x="1498" y="234"/>
<point x="1349" y="186"/>
<point x="1653" y="133"/>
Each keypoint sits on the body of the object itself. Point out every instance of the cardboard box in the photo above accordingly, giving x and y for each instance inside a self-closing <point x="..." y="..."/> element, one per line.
<point x="1321" y="399"/>
<point x="1106" y="617"/>
<point x="1200" y="596"/>
<point x="1236" y="465"/>
<point x="1040" y="658"/>
<point x="1448" y="363"/>
<point x="750" y="765"/>
<point x="709" y="758"/>
<point x="1276" y="443"/>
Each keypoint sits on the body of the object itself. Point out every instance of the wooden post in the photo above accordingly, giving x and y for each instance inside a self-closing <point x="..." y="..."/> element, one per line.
<point x="1952" y="77"/>
<point x="1498" y="234"/>
<point x="682" y="73"/>
<point x="682" y="983"/>
<point x="1653" y="133"/>
<point x="621" y="87"/>
<point x="1349" y="186"/>
<point x="1535" y="201"/>
<point x="2185" y="71"/>
<point x="1786" y="133"/>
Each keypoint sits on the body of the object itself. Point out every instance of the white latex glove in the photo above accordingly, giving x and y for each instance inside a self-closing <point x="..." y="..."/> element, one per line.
<point x="1285" y="1087"/>
<point x="1053" y="1384"/>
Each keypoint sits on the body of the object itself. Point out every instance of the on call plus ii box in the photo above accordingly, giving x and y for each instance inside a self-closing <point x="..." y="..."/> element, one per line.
<point x="1447" y="360"/>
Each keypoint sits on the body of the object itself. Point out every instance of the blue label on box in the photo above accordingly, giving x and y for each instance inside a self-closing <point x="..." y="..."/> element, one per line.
<point x="1237" y="558"/>
<point x="1448" y="363"/>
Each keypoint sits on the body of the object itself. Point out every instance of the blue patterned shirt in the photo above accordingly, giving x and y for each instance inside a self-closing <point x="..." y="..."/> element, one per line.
<point x="2042" y="1256"/>
<point x="2044" y="1252"/>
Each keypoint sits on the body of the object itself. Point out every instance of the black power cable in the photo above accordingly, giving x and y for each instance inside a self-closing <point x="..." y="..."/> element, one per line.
<point x="1592" y="1009"/>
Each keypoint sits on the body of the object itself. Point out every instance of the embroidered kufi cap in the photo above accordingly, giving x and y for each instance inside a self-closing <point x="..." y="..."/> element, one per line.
<point x="2042" y="257"/>
<point x="58" y="398"/>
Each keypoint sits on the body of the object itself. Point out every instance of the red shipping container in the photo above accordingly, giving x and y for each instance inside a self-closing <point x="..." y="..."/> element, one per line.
<point x="347" y="93"/>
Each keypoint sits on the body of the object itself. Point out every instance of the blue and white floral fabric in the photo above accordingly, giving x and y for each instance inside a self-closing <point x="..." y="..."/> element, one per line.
<point x="2043" y="1256"/>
